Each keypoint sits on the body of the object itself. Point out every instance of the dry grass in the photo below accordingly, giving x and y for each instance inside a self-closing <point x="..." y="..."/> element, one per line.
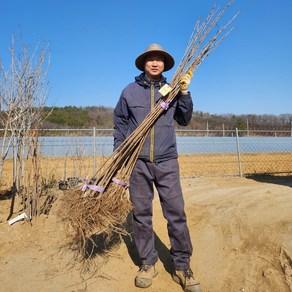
<point x="53" y="169"/>
<point x="227" y="164"/>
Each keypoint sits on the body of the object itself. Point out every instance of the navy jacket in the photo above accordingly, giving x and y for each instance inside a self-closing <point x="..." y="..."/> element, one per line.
<point x="133" y="106"/>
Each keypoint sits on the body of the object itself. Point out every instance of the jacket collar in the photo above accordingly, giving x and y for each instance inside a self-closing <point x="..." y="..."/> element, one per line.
<point x="143" y="80"/>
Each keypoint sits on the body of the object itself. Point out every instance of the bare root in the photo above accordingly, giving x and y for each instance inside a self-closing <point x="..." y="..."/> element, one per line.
<point x="88" y="215"/>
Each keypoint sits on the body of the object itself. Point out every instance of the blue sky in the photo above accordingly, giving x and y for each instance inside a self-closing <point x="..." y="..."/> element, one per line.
<point x="94" y="44"/>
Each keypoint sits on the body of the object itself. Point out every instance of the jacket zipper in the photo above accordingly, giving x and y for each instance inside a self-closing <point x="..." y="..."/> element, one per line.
<point x="152" y="129"/>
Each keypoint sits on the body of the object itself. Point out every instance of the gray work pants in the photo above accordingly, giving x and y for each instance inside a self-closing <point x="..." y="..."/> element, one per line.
<point x="165" y="177"/>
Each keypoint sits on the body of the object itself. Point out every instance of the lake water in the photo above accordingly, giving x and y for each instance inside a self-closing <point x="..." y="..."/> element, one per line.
<point x="76" y="145"/>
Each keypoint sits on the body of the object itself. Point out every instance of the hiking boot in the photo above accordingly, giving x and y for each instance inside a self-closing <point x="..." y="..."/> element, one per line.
<point x="186" y="279"/>
<point x="145" y="275"/>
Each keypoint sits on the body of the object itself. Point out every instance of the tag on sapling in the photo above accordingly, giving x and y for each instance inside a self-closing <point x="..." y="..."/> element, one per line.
<point x="165" y="89"/>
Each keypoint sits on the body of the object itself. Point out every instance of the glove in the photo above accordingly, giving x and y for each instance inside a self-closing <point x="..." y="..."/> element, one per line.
<point x="185" y="82"/>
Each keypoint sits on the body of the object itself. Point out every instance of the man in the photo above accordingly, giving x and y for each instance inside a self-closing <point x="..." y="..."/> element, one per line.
<point x="157" y="165"/>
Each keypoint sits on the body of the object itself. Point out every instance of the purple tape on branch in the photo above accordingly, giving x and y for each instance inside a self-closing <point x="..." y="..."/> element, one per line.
<point x="120" y="182"/>
<point x="164" y="105"/>
<point x="91" y="187"/>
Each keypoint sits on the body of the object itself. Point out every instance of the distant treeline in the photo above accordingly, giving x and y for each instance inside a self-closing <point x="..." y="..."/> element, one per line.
<point x="102" y="117"/>
<point x="79" y="117"/>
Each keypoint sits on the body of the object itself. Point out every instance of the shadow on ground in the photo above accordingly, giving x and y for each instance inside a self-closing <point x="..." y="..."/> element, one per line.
<point x="101" y="244"/>
<point x="279" y="180"/>
<point x="6" y="195"/>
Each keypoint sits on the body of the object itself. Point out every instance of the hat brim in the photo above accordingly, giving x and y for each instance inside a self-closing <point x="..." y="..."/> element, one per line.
<point x="168" y="63"/>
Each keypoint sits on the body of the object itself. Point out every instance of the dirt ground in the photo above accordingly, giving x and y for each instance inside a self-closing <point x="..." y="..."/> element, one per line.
<point x="241" y="229"/>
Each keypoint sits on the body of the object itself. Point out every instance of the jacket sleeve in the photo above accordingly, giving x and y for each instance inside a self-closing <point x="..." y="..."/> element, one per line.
<point x="184" y="109"/>
<point x="121" y="117"/>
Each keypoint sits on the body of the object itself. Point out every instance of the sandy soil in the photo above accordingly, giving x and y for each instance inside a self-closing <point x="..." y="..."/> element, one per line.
<point x="241" y="231"/>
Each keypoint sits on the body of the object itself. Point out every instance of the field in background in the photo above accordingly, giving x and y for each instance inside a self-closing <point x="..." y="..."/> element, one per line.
<point x="191" y="165"/>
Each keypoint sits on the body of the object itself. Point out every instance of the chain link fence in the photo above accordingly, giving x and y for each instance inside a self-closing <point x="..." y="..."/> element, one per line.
<point x="242" y="153"/>
<point x="201" y="153"/>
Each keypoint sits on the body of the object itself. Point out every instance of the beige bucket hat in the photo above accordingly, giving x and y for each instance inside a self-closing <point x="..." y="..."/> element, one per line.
<point x="155" y="48"/>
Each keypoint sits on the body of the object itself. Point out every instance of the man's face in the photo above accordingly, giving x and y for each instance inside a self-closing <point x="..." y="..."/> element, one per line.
<point x="154" y="65"/>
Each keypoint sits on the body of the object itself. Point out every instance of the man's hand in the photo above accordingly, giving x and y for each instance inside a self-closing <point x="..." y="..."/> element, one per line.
<point x="185" y="82"/>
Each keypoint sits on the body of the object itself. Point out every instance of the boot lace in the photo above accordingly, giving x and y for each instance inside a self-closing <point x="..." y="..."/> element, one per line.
<point x="188" y="274"/>
<point x="145" y="268"/>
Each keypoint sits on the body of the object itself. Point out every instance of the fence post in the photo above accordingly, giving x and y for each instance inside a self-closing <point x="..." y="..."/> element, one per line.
<point x="94" y="150"/>
<point x="238" y="153"/>
<point x="207" y="129"/>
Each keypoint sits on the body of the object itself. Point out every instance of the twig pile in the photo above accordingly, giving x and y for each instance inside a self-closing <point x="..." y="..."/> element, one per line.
<point x="104" y="206"/>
